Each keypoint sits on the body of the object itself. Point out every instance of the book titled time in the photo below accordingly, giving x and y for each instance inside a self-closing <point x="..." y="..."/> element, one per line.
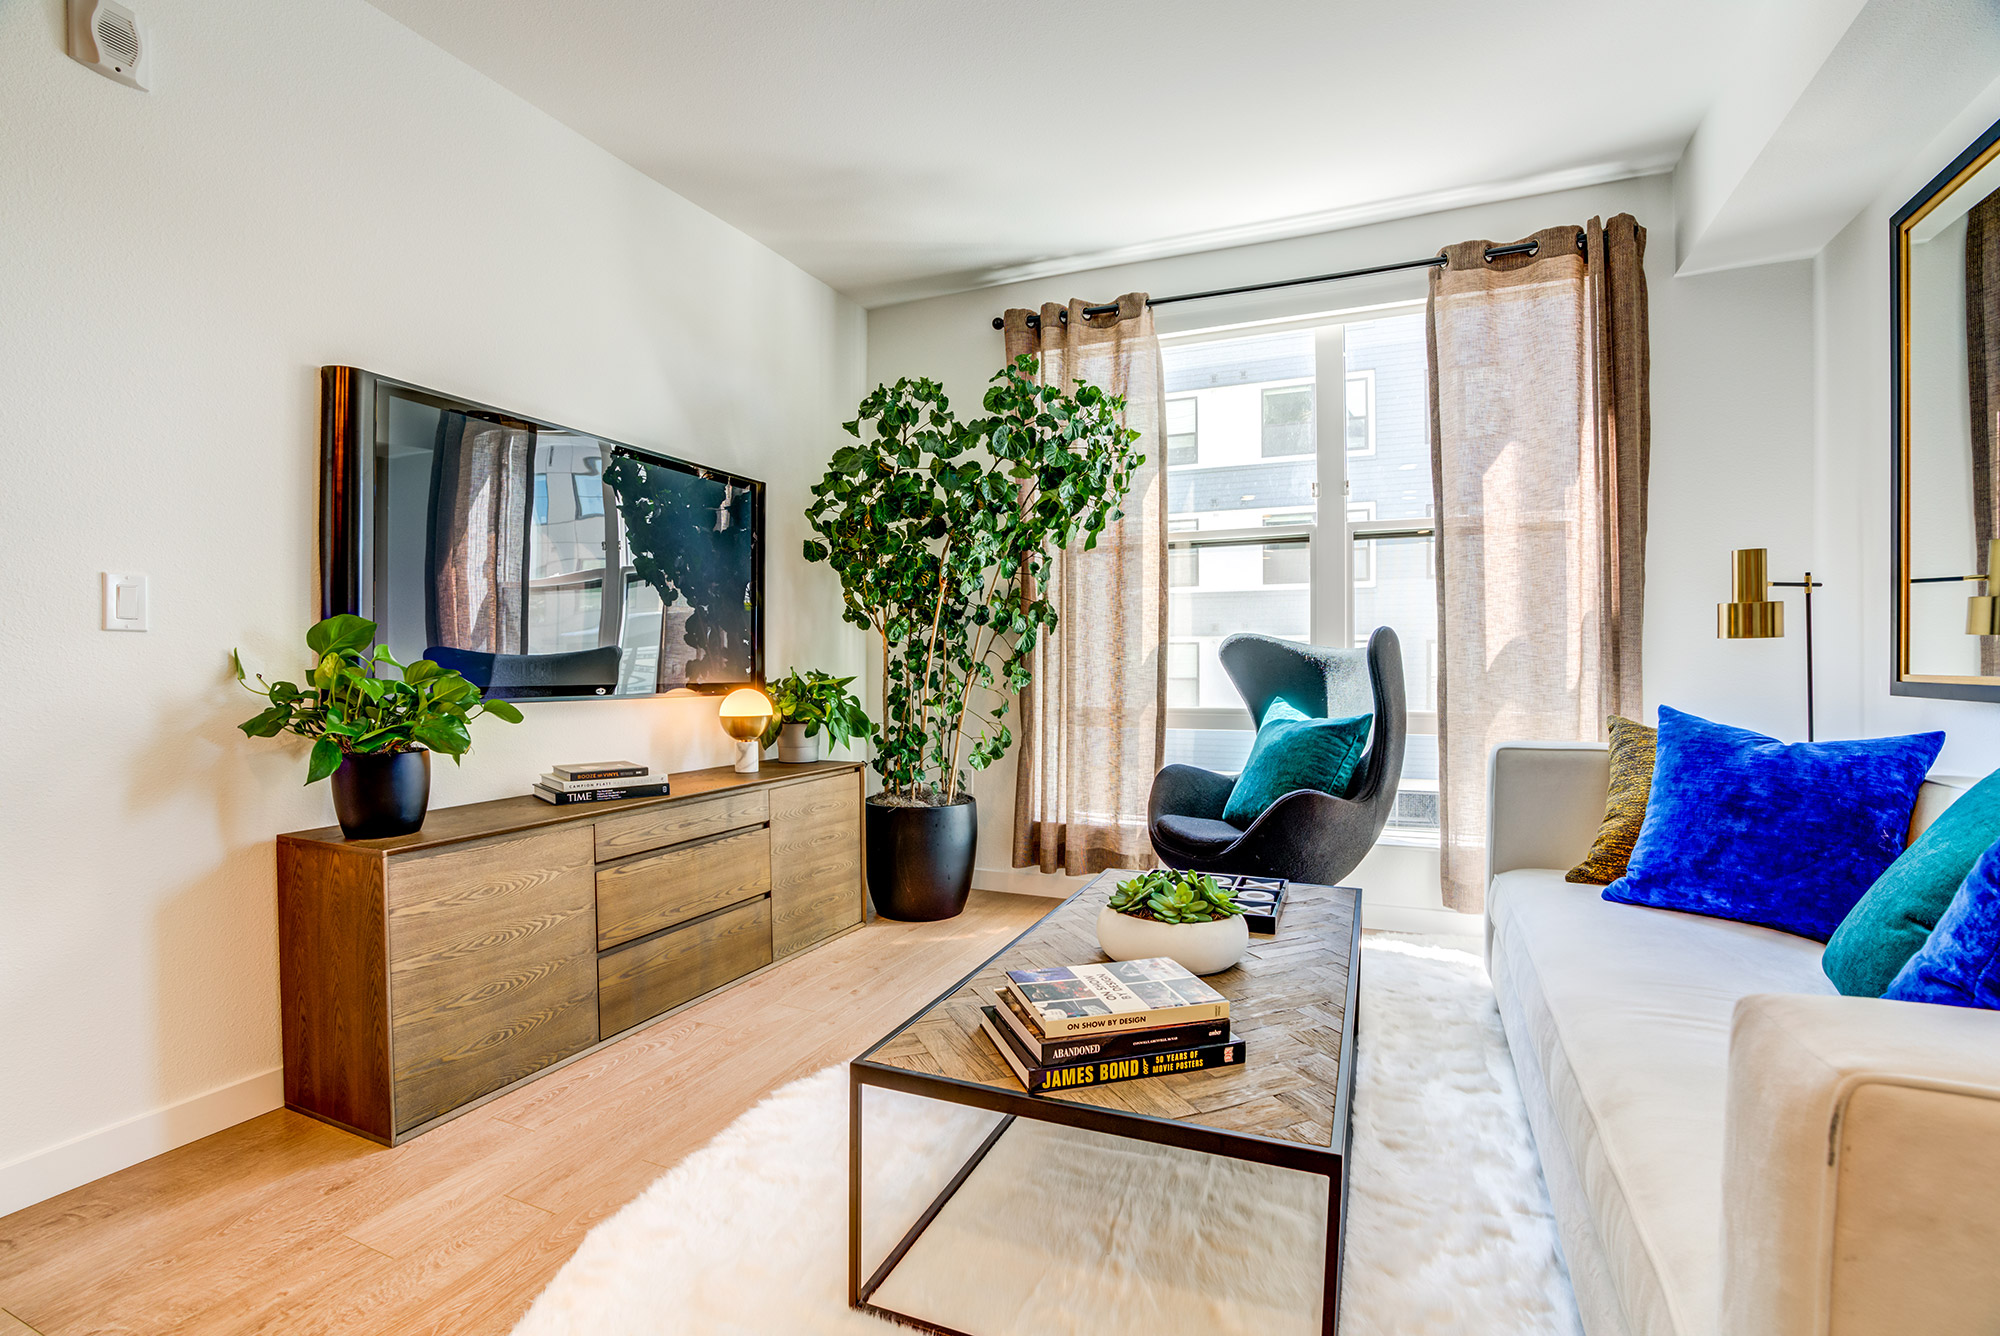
<point x="1116" y="995"/>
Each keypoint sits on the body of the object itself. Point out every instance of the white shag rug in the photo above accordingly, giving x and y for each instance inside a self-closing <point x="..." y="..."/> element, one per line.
<point x="1060" y="1231"/>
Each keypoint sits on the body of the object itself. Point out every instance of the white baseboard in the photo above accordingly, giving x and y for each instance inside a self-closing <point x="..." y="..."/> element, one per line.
<point x="1414" y="918"/>
<point x="46" y="1173"/>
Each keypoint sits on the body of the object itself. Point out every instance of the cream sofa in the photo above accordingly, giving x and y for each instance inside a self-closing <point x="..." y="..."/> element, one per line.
<point x="1731" y="1147"/>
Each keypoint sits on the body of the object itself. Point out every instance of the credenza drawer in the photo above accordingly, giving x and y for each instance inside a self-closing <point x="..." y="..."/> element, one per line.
<point x="675" y="823"/>
<point x="657" y="890"/>
<point x="638" y="982"/>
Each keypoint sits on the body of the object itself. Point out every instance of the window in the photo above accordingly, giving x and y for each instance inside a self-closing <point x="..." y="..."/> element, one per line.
<point x="541" y="498"/>
<point x="1288" y="422"/>
<point x="1361" y="413"/>
<point x="589" y="495"/>
<point x="1248" y="549"/>
<point x="1183" y="674"/>
<point x="1183" y="431"/>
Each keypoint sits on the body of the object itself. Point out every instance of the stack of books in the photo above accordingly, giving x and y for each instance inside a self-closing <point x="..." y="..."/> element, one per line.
<point x="1089" y="1025"/>
<point x="598" y="781"/>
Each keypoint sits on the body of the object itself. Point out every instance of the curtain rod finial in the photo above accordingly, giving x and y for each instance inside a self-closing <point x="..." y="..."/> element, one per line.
<point x="999" y="322"/>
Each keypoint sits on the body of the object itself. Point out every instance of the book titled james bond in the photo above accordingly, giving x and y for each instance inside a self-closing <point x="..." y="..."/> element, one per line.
<point x="1116" y="995"/>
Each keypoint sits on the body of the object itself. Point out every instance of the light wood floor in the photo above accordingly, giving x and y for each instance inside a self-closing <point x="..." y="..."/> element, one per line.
<point x="283" y="1224"/>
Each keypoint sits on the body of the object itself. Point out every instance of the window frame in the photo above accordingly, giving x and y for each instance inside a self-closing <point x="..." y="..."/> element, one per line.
<point x="1194" y="403"/>
<point x="1331" y="615"/>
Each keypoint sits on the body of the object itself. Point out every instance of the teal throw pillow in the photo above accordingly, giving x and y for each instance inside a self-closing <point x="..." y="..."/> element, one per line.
<point x="1294" y="752"/>
<point x="1894" y="919"/>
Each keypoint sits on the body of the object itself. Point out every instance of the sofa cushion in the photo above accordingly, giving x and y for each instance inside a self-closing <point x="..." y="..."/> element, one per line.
<point x="1626" y="1013"/>
<point x="1198" y="835"/>
<point x="1882" y="932"/>
<point x="1742" y="826"/>
<point x="1294" y="751"/>
<point x="1959" y="965"/>
<point x="1632" y="750"/>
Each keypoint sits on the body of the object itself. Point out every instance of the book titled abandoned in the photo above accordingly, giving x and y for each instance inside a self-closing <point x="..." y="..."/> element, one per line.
<point x="1102" y="1071"/>
<point x="1114" y="995"/>
<point x="1046" y="1052"/>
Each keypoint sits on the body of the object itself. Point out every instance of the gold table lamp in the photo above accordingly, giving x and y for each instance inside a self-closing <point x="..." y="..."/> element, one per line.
<point x="1752" y="614"/>
<point x="745" y="713"/>
<point x="1982" y="611"/>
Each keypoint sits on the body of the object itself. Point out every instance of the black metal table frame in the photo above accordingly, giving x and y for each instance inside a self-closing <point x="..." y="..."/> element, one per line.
<point x="1245" y="1146"/>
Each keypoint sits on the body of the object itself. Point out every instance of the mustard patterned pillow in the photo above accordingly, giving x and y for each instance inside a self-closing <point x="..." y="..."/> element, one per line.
<point x="1632" y="748"/>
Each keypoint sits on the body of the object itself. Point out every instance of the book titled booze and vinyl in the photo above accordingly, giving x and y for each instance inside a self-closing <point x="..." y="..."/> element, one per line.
<point x="1102" y="1071"/>
<point x="1115" y="995"/>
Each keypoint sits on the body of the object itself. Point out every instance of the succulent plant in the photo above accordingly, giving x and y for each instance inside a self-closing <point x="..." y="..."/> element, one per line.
<point x="1167" y="896"/>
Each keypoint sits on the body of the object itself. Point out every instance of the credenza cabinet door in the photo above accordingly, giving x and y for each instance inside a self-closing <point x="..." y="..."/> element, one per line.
<point x="492" y="966"/>
<point x="815" y="860"/>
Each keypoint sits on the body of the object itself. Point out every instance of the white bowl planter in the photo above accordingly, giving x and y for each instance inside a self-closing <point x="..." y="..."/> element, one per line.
<point x="1198" y="948"/>
<point x="794" y="745"/>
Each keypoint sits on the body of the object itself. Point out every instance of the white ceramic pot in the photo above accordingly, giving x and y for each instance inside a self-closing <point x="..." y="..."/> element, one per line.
<point x="1198" y="948"/>
<point x="795" y="746"/>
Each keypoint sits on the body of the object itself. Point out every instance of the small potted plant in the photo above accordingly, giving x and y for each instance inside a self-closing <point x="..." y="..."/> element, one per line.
<point x="372" y="734"/>
<point x="1185" y="916"/>
<point x="803" y="704"/>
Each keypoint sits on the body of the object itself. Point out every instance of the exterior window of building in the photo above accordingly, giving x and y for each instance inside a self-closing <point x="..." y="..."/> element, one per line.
<point x="1183" y="432"/>
<point x="1183" y="674"/>
<point x="1288" y="422"/>
<point x="1248" y="549"/>
<point x="1361" y="413"/>
<point x="541" y="498"/>
<point x="589" y="494"/>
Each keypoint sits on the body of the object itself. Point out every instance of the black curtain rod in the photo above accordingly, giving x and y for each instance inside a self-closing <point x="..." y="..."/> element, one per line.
<point x="1428" y="262"/>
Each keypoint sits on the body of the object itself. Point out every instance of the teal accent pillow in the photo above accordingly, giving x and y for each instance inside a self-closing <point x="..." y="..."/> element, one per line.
<point x="1895" y="918"/>
<point x="1294" y="752"/>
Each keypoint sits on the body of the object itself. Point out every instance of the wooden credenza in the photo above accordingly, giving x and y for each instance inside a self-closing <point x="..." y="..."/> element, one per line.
<point x="424" y="974"/>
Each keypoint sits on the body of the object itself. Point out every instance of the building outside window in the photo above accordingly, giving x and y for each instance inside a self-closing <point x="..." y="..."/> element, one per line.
<point x="1183" y="431"/>
<point x="1246" y="552"/>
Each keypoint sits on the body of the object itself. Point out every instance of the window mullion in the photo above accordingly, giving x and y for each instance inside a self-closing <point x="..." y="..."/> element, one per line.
<point x="1332" y="615"/>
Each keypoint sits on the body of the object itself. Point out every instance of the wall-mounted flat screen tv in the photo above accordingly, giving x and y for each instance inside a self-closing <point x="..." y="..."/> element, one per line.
<point x="540" y="561"/>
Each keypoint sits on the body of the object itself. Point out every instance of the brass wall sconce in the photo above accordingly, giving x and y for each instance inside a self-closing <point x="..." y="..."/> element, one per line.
<point x="1752" y="614"/>
<point x="1982" y="611"/>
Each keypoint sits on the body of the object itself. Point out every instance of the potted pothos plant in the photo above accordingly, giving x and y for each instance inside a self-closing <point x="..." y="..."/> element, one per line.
<point x="371" y="733"/>
<point x="804" y="704"/>
<point x="941" y="531"/>
<point x="1188" y="917"/>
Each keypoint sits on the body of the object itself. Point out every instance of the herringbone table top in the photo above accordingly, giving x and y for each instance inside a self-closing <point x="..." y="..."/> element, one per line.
<point x="1287" y="999"/>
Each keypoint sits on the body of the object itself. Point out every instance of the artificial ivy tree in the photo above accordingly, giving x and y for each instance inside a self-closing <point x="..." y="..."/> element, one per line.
<point x="941" y="531"/>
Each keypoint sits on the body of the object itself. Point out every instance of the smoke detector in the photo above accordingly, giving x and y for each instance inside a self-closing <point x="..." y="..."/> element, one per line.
<point x="105" y="36"/>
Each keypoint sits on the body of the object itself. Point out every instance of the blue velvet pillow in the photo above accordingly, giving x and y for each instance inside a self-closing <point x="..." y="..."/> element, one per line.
<point x="1293" y="752"/>
<point x="1741" y="826"/>
<point x="1959" y="965"/>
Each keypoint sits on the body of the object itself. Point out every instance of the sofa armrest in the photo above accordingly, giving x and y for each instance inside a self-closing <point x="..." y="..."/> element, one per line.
<point x="1544" y="803"/>
<point x="1861" y="1168"/>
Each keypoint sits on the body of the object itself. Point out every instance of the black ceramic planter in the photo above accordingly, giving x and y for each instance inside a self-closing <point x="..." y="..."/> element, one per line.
<point x="382" y="795"/>
<point x="920" y="858"/>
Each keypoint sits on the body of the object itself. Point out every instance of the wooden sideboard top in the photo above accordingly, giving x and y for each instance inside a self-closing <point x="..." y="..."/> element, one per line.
<point x="505" y="816"/>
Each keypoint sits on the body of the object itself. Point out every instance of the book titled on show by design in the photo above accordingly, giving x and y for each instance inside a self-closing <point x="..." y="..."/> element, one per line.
<point x="1102" y="1071"/>
<point x="1045" y="1052"/>
<point x="1069" y="1000"/>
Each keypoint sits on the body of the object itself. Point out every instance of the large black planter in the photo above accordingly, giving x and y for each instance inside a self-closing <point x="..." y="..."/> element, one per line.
<point x="920" y="858"/>
<point x="382" y="795"/>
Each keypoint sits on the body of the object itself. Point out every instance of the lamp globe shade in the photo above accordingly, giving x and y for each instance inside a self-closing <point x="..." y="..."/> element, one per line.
<point x="745" y="711"/>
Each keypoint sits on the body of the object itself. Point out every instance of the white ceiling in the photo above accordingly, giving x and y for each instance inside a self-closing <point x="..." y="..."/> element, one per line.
<point x="901" y="148"/>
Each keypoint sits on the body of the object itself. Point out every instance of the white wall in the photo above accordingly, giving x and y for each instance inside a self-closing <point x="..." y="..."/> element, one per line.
<point x="305" y="184"/>
<point x="1851" y="279"/>
<point x="1732" y="464"/>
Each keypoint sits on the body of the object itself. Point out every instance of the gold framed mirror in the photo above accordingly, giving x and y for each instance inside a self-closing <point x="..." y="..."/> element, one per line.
<point x="1945" y="406"/>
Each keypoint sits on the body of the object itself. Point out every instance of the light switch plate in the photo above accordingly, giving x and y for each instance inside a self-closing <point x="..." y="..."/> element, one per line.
<point x="125" y="602"/>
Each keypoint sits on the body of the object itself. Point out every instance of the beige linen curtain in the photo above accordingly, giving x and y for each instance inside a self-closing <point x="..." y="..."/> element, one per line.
<point x="1982" y="351"/>
<point x="1540" y="431"/>
<point x="480" y="512"/>
<point x="1092" y="718"/>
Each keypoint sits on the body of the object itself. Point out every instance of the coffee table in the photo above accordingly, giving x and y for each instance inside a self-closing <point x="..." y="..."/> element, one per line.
<point x="1292" y="999"/>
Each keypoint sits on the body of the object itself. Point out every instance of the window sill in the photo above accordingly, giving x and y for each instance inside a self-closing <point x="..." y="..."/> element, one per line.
<point x="1409" y="839"/>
